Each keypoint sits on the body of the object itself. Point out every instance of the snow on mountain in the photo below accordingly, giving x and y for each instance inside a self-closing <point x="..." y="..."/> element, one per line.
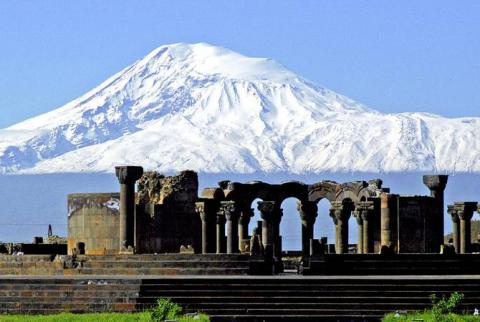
<point x="210" y="109"/>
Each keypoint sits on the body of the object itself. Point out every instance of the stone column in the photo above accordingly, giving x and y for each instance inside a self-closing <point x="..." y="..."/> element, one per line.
<point x="220" y="232"/>
<point x="436" y="184"/>
<point x="366" y="213"/>
<point x="243" y="222"/>
<point x="388" y="215"/>
<point x="232" y="214"/>
<point x="207" y="209"/>
<point x="358" y="216"/>
<point x="465" y="212"/>
<point x="308" y="213"/>
<point x="455" y="227"/>
<point x="127" y="176"/>
<point x="267" y="212"/>
<point x="277" y="239"/>
<point x="341" y="211"/>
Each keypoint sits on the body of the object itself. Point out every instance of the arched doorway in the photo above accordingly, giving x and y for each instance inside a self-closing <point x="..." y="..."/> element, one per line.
<point x="324" y="225"/>
<point x="291" y="226"/>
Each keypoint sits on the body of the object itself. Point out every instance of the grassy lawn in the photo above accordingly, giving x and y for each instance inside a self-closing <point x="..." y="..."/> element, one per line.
<point x="428" y="317"/>
<point x="69" y="317"/>
<point x="96" y="317"/>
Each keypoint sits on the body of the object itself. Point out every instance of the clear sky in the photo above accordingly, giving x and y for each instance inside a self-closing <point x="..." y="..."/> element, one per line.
<point x="391" y="56"/>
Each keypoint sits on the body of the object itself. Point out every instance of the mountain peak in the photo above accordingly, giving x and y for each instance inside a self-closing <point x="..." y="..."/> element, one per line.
<point x="210" y="109"/>
<point x="206" y="59"/>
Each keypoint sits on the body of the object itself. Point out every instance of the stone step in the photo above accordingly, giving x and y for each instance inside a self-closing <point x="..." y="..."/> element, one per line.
<point x="306" y="306"/>
<point x="166" y="257"/>
<point x="164" y="264"/>
<point x="67" y="281"/>
<point x="301" y="286"/>
<point x="296" y="318"/>
<point x="292" y="312"/>
<point x="66" y="288"/>
<point x="280" y="293"/>
<point x="271" y="298"/>
<point x="52" y="299"/>
<point x="162" y="271"/>
<point x="291" y="300"/>
<point x="26" y="258"/>
<point x="69" y="306"/>
<point x="7" y="295"/>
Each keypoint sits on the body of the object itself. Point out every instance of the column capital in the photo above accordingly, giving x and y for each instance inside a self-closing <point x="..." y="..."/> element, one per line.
<point x="453" y="213"/>
<point x="308" y="210"/>
<point x="267" y="209"/>
<point x="128" y="174"/>
<point x="207" y="209"/>
<point x="357" y="214"/>
<point x="230" y="209"/>
<point x="465" y="210"/>
<point x="365" y="209"/>
<point x="435" y="182"/>
<point x="246" y="214"/>
<point x="341" y="210"/>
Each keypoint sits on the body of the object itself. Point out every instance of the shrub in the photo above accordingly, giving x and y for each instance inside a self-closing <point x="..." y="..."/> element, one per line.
<point x="442" y="307"/>
<point x="165" y="310"/>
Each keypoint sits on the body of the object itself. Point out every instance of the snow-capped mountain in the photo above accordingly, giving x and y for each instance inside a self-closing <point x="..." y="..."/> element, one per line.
<point x="210" y="109"/>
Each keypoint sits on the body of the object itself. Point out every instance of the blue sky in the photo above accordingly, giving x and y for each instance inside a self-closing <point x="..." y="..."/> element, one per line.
<point x="391" y="56"/>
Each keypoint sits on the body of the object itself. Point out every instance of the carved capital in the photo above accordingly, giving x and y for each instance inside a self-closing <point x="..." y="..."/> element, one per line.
<point x="453" y="213"/>
<point x="435" y="182"/>
<point x="465" y="210"/>
<point x="308" y="211"/>
<point x="267" y="209"/>
<point x="342" y="210"/>
<point x="365" y="209"/>
<point x="206" y="209"/>
<point x="230" y="210"/>
<point x="357" y="214"/>
<point x="128" y="174"/>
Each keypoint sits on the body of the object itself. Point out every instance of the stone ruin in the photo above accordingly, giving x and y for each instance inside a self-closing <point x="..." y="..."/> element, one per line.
<point x="167" y="213"/>
<point x="162" y="216"/>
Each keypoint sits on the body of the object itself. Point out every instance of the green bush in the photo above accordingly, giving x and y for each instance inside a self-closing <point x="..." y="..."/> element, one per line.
<point x="442" y="311"/>
<point x="166" y="310"/>
<point x="443" y="307"/>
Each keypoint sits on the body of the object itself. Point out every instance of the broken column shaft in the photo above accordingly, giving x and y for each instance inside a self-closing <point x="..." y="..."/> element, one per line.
<point x="127" y="176"/>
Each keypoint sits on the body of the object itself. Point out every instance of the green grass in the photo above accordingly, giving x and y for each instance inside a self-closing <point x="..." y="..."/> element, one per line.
<point x="70" y="317"/>
<point x="96" y="317"/>
<point x="428" y="317"/>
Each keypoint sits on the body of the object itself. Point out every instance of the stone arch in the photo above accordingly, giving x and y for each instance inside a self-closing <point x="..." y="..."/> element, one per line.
<point x="323" y="189"/>
<point x="292" y="189"/>
<point x="351" y="191"/>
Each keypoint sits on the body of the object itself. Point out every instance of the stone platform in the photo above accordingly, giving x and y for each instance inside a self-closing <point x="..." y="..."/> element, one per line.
<point x="161" y="264"/>
<point x="238" y="298"/>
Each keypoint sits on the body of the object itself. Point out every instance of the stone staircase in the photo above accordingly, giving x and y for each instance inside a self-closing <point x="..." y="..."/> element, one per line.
<point x="307" y="299"/>
<point x="108" y="265"/>
<point x="397" y="264"/>
<point x="238" y="298"/>
<point x="163" y="264"/>
<point x="30" y="265"/>
<point x="50" y="295"/>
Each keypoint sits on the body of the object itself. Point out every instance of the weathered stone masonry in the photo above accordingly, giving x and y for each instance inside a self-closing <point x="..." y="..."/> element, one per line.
<point x="166" y="213"/>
